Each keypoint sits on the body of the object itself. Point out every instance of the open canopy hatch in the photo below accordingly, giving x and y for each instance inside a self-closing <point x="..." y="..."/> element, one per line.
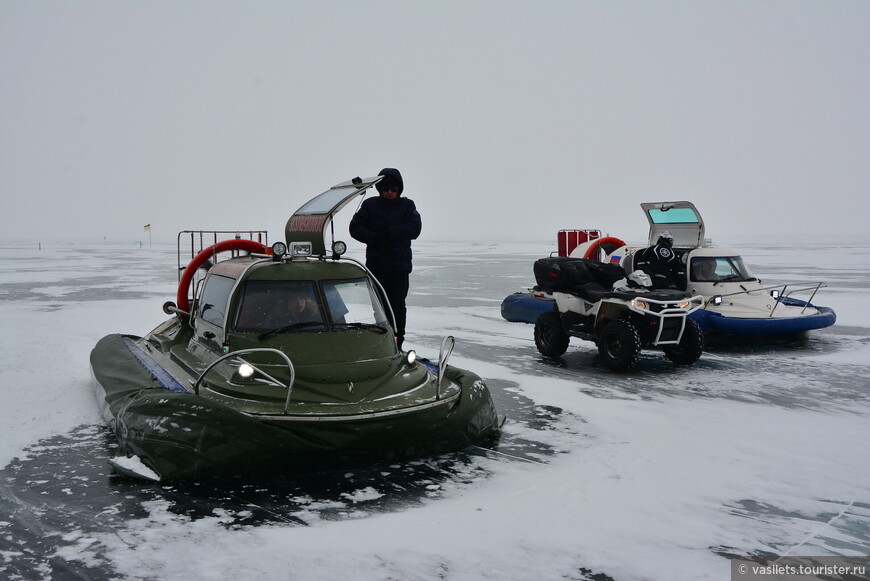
<point x="309" y="223"/>
<point x="681" y="219"/>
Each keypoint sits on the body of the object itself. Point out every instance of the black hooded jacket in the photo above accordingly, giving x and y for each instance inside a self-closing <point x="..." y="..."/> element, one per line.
<point x="663" y="265"/>
<point x="387" y="227"/>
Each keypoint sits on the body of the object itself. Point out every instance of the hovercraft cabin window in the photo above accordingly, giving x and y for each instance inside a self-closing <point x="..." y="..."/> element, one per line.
<point x="673" y="216"/>
<point x="267" y="305"/>
<point x="214" y="300"/>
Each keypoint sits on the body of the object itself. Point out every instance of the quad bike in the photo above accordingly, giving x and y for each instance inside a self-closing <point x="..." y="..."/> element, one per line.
<point x="621" y="314"/>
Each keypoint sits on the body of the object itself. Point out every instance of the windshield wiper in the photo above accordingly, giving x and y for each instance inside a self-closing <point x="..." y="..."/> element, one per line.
<point x="729" y="278"/>
<point x="291" y="327"/>
<point x="374" y="327"/>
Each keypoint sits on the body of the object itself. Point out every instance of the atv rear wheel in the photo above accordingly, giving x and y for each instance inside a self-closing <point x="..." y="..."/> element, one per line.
<point x="550" y="338"/>
<point x="690" y="347"/>
<point x="619" y="345"/>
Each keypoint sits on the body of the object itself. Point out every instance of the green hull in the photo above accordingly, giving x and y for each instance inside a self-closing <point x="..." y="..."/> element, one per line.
<point x="280" y="363"/>
<point x="178" y="434"/>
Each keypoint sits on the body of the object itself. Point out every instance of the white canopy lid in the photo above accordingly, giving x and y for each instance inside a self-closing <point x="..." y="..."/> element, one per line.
<point x="681" y="219"/>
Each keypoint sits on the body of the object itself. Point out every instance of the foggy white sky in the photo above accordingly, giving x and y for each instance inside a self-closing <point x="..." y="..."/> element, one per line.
<point x="507" y="119"/>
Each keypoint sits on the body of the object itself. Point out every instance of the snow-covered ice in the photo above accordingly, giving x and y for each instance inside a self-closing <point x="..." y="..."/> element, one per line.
<point x="658" y="474"/>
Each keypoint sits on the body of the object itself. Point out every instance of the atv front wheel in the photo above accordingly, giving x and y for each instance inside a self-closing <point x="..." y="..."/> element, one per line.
<point x="619" y="345"/>
<point x="690" y="347"/>
<point x="550" y="338"/>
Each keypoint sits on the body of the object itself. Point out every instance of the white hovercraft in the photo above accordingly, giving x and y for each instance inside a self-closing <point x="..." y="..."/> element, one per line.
<point x="735" y="301"/>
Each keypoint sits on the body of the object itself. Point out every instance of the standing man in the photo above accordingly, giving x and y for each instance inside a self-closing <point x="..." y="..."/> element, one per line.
<point x="386" y="225"/>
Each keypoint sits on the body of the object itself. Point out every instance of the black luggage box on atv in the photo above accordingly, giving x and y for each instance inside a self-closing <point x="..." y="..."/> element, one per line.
<point x="567" y="274"/>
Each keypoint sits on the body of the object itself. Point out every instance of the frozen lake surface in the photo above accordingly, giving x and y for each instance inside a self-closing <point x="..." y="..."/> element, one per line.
<point x="662" y="473"/>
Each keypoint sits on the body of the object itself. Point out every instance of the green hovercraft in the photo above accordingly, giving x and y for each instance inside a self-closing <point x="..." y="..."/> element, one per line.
<point x="283" y="359"/>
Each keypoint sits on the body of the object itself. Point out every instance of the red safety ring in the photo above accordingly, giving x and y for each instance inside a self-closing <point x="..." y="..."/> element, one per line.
<point x="607" y="241"/>
<point x="205" y="255"/>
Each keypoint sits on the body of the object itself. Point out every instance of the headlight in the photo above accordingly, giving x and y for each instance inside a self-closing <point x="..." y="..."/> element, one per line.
<point x="716" y="300"/>
<point x="775" y="293"/>
<point x="246" y="370"/>
<point x="684" y="304"/>
<point x="339" y="248"/>
<point x="300" y="249"/>
<point x="639" y="304"/>
<point x="410" y="357"/>
<point x="279" y="249"/>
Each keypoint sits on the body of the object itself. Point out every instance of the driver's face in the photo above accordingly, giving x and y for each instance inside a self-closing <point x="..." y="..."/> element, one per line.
<point x="296" y="304"/>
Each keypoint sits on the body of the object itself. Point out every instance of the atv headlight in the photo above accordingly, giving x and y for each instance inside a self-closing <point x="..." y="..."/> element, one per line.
<point x="684" y="304"/>
<point x="410" y="357"/>
<point x="716" y="300"/>
<point x="775" y="293"/>
<point x="637" y="303"/>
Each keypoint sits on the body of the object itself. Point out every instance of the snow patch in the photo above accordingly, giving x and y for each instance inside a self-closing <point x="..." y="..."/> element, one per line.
<point x="134" y="465"/>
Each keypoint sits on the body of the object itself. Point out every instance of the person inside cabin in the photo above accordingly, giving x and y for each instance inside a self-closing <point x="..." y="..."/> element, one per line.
<point x="297" y="307"/>
<point x="387" y="225"/>
<point x="662" y="264"/>
<point x="266" y="307"/>
<point x="704" y="270"/>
